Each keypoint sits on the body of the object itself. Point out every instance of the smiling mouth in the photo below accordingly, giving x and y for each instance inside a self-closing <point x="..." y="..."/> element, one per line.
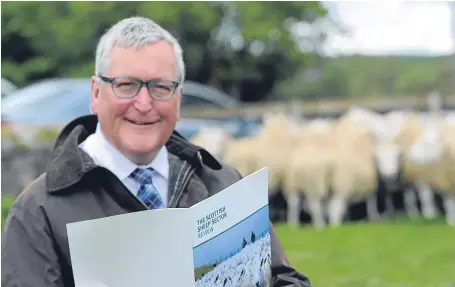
<point x="140" y="123"/>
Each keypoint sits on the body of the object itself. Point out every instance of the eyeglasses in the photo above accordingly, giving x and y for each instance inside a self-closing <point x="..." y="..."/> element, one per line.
<point x="129" y="87"/>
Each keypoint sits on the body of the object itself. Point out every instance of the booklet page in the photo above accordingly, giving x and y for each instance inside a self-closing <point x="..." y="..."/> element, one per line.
<point x="140" y="249"/>
<point x="231" y="239"/>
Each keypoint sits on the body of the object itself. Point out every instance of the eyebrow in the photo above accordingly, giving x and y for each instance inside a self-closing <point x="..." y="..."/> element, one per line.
<point x="148" y="79"/>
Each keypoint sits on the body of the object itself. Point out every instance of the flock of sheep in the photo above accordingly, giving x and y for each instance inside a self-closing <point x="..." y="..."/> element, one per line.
<point x="243" y="269"/>
<point x="331" y="163"/>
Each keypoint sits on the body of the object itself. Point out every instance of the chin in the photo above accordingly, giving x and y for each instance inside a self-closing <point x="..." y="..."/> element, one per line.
<point x="142" y="148"/>
<point x="142" y="143"/>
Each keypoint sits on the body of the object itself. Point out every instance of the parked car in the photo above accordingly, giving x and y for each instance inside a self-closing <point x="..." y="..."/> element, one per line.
<point x="58" y="101"/>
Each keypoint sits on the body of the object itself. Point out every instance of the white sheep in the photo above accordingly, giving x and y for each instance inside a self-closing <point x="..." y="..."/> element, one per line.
<point x="420" y="143"/>
<point x="275" y="140"/>
<point x="388" y="152"/>
<point x="382" y="129"/>
<point x="449" y="199"/>
<point x="241" y="153"/>
<point x="213" y="139"/>
<point x="450" y="118"/>
<point x="238" y="152"/>
<point x="269" y="147"/>
<point x="387" y="159"/>
<point x="338" y="159"/>
<point x="246" y="268"/>
<point x="418" y="131"/>
<point x="265" y="272"/>
<point x="308" y="172"/>
<point x="353" y="175"/>
<point x="314" y="164"/>
<point x="432" y="160"/>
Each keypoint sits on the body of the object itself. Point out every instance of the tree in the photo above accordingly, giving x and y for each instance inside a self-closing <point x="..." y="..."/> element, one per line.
<point x="246" y="45"/>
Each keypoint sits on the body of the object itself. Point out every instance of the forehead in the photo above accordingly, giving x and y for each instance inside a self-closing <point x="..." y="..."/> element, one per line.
<point x="152" y="61"/>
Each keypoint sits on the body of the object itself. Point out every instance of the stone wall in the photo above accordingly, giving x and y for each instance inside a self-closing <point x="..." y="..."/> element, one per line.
<point x="20" y="167"/>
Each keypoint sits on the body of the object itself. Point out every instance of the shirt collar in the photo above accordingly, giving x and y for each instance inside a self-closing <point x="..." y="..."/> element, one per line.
<point x="121" y="166"/>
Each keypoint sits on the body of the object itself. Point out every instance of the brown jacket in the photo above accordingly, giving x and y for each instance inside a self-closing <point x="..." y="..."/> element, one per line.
<point x="35" y="250"/>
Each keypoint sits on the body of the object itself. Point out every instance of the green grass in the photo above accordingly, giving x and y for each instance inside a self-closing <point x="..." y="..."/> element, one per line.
<point x="202" y="270"/>
<point x="397" y="253"/>
<point x="7" y="202"/>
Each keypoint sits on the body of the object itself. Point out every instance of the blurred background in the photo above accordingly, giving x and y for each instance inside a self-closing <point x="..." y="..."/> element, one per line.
<point x="311" y="79"/>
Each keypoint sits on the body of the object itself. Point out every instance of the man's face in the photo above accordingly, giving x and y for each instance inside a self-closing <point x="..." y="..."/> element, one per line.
<point x="138" y="142"/>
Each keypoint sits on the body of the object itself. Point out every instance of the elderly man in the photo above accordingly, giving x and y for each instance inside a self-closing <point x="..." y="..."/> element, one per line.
<point x="104" y="164"/>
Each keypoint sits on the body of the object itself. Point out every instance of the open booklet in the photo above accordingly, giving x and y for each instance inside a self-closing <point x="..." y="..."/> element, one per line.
<point x="221" y="241"/>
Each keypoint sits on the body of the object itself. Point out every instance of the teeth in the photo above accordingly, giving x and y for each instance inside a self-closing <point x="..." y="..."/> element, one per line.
<point x="140" y="123"/>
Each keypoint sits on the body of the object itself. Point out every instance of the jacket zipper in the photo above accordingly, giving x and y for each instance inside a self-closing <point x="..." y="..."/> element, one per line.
<point x="178" y="193"/>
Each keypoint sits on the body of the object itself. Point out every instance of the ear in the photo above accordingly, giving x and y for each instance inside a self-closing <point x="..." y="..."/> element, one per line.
<point x="94" y="95"/>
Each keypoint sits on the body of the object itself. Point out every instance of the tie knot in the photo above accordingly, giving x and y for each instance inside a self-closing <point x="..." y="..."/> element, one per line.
<point x="143" y="175"/>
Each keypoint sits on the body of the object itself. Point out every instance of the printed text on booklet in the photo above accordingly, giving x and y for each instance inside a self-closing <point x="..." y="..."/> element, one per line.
<point x="205" y="224"/>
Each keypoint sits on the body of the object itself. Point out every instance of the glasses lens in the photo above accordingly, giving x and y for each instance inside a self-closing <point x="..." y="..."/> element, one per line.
<point x="125" y="88"/>
<point x="162" y="89"/>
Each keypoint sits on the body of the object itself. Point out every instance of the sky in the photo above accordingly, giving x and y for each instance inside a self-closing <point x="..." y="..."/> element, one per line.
<point x="392" y="27"/>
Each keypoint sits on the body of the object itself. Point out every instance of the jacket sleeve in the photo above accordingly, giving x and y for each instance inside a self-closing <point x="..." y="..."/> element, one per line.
<point x="283" y="275"/>
<point x="28" y="254"/>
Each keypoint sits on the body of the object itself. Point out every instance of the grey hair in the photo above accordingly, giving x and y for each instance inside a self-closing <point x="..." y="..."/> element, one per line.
<point x="136" y="32"/>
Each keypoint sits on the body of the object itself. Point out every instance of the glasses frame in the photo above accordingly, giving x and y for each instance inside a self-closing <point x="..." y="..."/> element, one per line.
<point x="146" y="84"/>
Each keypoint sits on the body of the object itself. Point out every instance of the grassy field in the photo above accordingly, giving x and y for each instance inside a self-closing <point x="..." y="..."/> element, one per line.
<point x="202" y="270"/>
<point x="400" y="253"/>
<point x="389" y="254"/>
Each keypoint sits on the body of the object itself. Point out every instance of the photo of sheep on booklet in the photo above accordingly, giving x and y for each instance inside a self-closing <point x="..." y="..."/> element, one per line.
<point x="232" y="244"/>
<point x="239" y="255"/>
<point x="223" y="240"/>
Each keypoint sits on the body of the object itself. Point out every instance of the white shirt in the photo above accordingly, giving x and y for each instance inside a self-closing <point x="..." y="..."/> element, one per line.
<point x="106" y="155"/>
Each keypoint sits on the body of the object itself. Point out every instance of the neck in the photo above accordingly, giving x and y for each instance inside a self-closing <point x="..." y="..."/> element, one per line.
<point x="141" y="159"/>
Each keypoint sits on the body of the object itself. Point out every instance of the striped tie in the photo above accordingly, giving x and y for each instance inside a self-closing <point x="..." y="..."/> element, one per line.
<point x="147" y="191"/>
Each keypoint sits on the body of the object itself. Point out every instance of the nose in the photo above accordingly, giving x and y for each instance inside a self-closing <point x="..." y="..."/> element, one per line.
<point x="143" y="101"/>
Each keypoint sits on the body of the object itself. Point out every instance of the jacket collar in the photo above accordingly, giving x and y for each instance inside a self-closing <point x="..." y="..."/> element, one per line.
<point x="69" y="164"/>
